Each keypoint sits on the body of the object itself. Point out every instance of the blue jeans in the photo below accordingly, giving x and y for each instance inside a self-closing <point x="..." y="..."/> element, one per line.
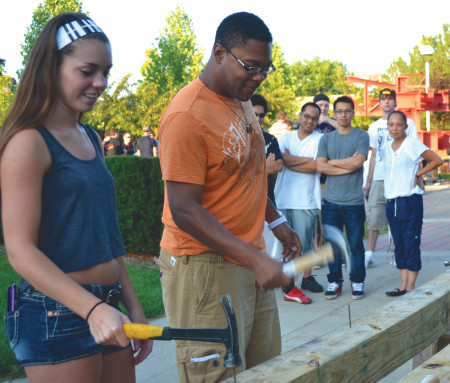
<point x="351" y="217"/>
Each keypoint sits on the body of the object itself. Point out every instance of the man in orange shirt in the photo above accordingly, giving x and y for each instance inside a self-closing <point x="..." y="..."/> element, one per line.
<point x="213" y="164"/>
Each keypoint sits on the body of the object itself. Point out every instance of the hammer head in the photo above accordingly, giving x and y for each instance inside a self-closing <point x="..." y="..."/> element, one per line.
<point x="338" y="242"/>
<point x="232" y="359"/>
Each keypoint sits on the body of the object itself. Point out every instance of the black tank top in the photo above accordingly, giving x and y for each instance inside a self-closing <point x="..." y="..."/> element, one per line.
<point x="79" y="226"/>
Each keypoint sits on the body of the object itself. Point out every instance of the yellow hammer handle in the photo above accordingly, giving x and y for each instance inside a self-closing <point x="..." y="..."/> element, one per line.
<point x="141" y="331"/>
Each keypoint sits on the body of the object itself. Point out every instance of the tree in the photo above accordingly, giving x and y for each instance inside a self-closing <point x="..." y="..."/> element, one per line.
<point x="319" y="76"/>
<point x="7" y="87"/>
<point x="118" y="108"/>
<point x="278" y="88"/>
<point x="174" y="62"/>
<point x="44" y="12"/>
<point x="439" y="70"/>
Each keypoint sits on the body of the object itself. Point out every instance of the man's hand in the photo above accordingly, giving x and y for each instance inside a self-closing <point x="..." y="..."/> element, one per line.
<point x="292" y="247"/>
<point x="367" y="188"/>
<point x="269" y="273"/>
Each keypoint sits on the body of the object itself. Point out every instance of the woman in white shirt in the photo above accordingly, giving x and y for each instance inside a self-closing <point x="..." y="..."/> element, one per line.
<point x="403" y="189"/>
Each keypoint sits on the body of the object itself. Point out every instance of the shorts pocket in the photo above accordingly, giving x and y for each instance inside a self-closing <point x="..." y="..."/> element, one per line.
<point x="12" y="327"/>
<point x="64" y="322"/>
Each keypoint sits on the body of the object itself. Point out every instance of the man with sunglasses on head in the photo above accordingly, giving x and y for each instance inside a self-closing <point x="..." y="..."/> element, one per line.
<point x="341" y="156"/>
<point x="212" y="161"/>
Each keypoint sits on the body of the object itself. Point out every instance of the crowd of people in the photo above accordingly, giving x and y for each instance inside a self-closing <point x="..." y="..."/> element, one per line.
<point x="146" y="146"/>
<point x="60" y="218"/>
<point x="338" y="163"/>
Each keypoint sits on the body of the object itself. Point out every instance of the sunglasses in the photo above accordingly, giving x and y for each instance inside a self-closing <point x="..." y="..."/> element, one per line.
<point x="260" y="115"/>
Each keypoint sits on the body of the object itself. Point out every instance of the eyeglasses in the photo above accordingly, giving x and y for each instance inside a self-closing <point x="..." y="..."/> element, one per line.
<point x="308" y="117"/>
<point x="346" y="111"/>
<point x="253" y="69"/>
<point x="260" y="115"/>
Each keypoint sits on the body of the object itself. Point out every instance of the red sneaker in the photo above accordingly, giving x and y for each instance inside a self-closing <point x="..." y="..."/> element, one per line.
<point x="296" y="295"/>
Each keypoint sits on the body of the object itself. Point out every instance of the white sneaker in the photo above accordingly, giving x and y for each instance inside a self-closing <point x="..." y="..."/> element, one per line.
<point x="369" y="259"/>
<point x="358" y="290"/>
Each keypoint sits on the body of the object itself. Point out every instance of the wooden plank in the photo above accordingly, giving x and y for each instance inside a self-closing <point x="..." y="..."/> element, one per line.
<point x="438" y="365"/>
<point x="375" y="345"/>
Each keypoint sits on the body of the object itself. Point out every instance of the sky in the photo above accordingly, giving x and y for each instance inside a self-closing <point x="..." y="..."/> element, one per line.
<point x="366" y="36"/>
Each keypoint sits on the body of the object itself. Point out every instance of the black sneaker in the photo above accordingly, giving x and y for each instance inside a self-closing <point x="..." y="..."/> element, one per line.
<point x="311" y="284"/>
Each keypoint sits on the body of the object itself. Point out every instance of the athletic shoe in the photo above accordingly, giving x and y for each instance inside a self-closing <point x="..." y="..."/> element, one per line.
<point x="311" y="284"/>
<point x="358" y="290"/>
<point x="333" y="291"/>
<point x="437" y="181"/>
<point x="296" y="295"/>
<point x="369" y="259"/>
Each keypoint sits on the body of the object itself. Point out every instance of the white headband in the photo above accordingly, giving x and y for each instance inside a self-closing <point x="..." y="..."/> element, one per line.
<point x="73" y="30"/>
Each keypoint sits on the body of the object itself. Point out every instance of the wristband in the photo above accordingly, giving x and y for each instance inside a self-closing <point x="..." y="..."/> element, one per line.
<point x="282" y="219"/>
<point x="92" y="309"/>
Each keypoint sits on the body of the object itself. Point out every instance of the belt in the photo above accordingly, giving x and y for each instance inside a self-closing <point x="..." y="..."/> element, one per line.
<point x="109" y="296"/>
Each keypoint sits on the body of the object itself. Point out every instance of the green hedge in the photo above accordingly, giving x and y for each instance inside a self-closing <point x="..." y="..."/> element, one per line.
<point x="140" y="198"/>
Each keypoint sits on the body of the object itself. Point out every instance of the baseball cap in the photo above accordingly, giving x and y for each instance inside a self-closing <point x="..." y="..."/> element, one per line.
<point x="388" y="92"/>
<point x="146" y="129"/>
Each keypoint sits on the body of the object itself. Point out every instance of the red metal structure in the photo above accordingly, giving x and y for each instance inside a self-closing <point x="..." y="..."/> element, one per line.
<point x="411" y="99"/>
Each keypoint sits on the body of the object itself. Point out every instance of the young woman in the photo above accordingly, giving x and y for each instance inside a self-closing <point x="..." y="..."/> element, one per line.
<point x="403" y="189"/>
<point x="60" y="218"/>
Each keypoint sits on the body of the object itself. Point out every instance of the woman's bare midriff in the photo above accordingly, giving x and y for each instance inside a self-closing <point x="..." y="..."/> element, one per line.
<point x="105" y="273"/>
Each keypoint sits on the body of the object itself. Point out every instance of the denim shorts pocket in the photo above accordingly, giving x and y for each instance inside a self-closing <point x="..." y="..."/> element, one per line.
<point x="12" y="327"/>
<point x="62" y="321"/>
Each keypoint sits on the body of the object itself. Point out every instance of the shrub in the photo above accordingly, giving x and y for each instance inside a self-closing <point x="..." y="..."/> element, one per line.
<point x="140" y="198"/>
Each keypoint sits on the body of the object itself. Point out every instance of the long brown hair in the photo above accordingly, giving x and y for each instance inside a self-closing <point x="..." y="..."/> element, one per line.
<point x="36" y="93"/>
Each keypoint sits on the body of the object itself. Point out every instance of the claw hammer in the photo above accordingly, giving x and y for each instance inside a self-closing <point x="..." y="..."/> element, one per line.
<point x="228" y="336"/>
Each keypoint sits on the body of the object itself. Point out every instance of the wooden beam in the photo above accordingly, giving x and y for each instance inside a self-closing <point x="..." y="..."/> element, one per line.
<point x="438" y="365"/>
<point x="375" y="345"/>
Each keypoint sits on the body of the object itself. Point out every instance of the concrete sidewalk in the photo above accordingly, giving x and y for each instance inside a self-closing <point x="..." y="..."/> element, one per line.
<point x="303" y="323"/>
<point x="322" y="316"/>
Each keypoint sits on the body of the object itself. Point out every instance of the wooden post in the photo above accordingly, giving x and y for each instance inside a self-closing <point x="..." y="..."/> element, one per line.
<point x="438" y="366"/>
<point x="375" y="345"/>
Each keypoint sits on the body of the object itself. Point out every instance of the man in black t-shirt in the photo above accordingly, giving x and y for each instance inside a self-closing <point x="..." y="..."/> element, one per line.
<point x="274" y="159"/>
<point x="146" y="146"/>
<point x="112" y="146"/>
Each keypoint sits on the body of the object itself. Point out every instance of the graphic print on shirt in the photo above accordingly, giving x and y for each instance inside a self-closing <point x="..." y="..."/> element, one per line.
<point x="383" y="138"/>
<point x="234" y="143"/>
<point x="243" y="150"/>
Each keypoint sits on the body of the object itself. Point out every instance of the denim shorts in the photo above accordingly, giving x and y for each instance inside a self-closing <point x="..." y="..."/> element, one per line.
<point x="43" y="331"/>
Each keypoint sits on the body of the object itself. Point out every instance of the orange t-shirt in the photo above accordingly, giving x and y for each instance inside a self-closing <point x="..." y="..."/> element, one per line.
<point x="204" y="140"/>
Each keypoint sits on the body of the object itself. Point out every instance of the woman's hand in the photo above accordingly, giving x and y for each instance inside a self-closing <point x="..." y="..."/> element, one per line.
<point x="141" y="347"/>
<point x="419" y="182"/>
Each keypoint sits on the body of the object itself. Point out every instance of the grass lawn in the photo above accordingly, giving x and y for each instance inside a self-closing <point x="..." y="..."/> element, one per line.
<point x="145" y="280"/>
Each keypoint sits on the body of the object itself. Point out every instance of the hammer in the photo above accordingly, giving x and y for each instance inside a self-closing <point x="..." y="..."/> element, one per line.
<point x="228" y="336"/>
